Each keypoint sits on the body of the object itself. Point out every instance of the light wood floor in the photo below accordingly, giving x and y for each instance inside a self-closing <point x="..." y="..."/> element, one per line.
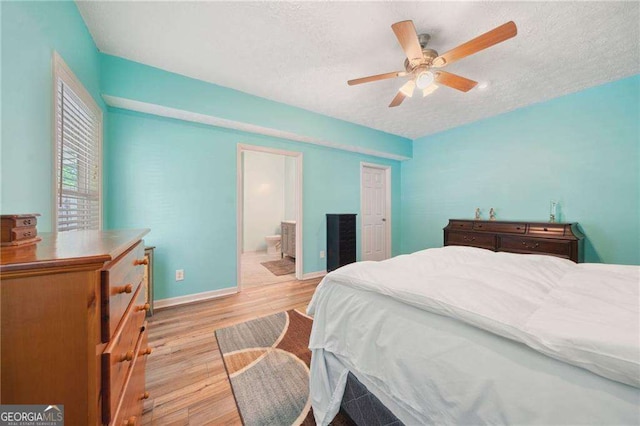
<point x="185" y="373"/>
<point x="254" y="274"/>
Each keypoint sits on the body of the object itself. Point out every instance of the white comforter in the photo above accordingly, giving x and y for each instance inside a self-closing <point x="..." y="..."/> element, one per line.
<point x="587" y="315"/>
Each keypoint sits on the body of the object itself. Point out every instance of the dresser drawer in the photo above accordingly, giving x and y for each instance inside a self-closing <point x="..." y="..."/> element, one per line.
<point x="130" y="404"/>
<point x="119" y="282"/>
<point x="547" y="230"/>
<point x="18" y="221"/>
<point x="534" y="245"/>
<point x="15" y="234"/>
<point x="119" y="354"/>
<point x="474" y="239"/>
<point x="461" y="225"/>
<point x="512" y="228"/>
<point x="347" y="220"/>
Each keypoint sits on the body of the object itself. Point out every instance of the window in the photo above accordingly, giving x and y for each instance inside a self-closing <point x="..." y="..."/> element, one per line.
<point x="78" y="148"/>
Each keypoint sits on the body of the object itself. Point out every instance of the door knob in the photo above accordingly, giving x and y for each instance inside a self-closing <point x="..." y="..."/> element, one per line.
<point x="384" y="220"/>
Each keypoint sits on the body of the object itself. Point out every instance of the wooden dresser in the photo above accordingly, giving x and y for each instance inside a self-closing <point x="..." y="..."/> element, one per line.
<point x="555" y="239"/>
<point x="73" y="328"/>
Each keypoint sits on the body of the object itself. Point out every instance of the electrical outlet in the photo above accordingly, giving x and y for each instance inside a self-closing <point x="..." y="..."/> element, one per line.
<point x="179" y="274"/>
<point x="322" y="254"/>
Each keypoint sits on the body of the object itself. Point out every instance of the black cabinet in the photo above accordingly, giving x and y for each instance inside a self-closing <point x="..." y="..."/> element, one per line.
<point x="341" y="240"/>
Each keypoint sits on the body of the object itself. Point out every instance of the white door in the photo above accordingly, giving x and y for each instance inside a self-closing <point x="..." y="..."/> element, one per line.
<point x="374" y="211"/>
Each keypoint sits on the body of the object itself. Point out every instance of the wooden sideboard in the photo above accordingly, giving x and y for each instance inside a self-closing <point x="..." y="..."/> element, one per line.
<point x="556" y="239"/>
<point x="73" y="328"/>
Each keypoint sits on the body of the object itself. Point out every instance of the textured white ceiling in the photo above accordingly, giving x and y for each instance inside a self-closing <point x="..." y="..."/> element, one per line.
<point x="302" y="53"/>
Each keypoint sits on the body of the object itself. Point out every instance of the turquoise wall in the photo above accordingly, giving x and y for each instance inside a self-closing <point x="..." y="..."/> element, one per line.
<point x="581" y="149"/>
<point x="132" y="80"/>
<point x="179" y="179"/>
<point x="31" y="31"/>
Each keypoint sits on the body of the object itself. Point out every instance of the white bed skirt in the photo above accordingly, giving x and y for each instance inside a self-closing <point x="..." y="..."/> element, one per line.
<point x="431" y="369"/>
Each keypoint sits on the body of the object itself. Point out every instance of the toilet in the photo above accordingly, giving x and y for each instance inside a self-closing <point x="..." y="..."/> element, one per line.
<point x="273" y="244"/>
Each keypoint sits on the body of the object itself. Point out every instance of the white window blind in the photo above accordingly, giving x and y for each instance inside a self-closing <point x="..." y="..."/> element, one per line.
<point x="78" y="125"/>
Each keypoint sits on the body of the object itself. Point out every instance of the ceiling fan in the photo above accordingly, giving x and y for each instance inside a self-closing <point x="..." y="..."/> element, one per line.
<point x="421" y="60"/>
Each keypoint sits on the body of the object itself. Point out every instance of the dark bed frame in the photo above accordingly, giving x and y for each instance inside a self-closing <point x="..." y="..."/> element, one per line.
<point x="364" y="408"/>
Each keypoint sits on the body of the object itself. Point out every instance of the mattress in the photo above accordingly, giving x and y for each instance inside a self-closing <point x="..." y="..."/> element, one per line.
<point x="428" y="365"/>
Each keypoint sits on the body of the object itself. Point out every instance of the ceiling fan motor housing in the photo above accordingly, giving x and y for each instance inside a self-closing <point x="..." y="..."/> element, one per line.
<point x="423" y="39"/>
<point x="428" y="55"/>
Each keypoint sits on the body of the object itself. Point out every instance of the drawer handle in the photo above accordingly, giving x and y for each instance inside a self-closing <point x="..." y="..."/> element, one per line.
<point x="468" y="239"/>
<point x="126" y="289"/>
<point x="536" y="245"/>
<point x="131" y="421"/>
<point x="146" y="351"/>
<point x="144" y="307"/>
<point x="144" y="261"/>
<point x="127" y="357"/>
<point x="145" y="395"/>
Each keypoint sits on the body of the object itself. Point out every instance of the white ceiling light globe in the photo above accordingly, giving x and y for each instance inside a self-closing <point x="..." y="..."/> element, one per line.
<point x="424" y="79"/>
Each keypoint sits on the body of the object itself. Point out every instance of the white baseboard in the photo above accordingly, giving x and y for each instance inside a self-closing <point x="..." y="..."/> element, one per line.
<point x="316" y="274"/>
<point x="197" y="297"/>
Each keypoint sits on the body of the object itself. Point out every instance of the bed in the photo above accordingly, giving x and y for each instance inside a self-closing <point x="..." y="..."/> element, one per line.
<point x="465" y="335"/>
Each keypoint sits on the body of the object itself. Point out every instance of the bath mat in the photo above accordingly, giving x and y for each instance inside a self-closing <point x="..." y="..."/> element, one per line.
<point x="267" y="362"/>
<point x="284" y="266"/>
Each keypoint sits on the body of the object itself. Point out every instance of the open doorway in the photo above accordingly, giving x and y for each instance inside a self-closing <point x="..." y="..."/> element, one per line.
<point x="269" y="216"/>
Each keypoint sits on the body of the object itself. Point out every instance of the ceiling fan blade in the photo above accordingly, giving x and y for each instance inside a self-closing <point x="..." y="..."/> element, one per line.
<point x="397" y="100"/>
<point x="486" y="40"/>
<point x="407" y="36"/>
<point x="376" y="77"/>
<point x="455" y="81"/>
<point x="429" y="89"/>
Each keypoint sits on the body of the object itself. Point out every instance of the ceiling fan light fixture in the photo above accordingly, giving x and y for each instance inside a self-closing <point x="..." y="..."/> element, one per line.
<point x="424" y="79"/>
<point x="429" y="90"/>
<point x="407" y="88"/>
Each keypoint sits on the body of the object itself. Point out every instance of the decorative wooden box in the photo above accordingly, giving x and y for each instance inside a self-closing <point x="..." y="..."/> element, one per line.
<point x="19" y="229"/>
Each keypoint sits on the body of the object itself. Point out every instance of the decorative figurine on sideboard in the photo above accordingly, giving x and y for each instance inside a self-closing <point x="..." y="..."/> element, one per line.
<point x="478" y="213"/>
<point x="492" y="214"/>
<point x="552" y="211"/>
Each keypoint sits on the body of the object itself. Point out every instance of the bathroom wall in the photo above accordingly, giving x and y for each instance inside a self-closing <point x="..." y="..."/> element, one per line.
<point x="290" y="188"/>
<point x="264" y="198"/>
